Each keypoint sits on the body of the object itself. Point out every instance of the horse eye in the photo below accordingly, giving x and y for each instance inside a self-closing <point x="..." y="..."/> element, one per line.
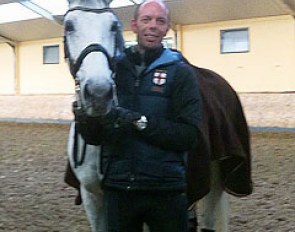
<point x="69" y="26"/>
<point x="115" y="26"/>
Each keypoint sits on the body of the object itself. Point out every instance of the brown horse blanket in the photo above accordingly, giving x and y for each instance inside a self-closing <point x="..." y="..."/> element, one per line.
<point x="224" y="136"/>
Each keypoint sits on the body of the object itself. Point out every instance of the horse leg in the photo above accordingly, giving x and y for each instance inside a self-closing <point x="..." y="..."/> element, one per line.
<point x="88" y="175"/>
<point x="92" y="201"/>
<point x="91" y="192"/>
<point x="145" y="228"/>
<point x="213" y="208"/>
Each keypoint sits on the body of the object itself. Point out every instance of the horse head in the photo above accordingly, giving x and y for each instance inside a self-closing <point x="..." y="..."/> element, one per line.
<point x="90" y="50"/>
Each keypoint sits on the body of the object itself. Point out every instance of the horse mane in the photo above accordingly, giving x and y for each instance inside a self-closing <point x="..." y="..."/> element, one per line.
<point x="120" y="42"/>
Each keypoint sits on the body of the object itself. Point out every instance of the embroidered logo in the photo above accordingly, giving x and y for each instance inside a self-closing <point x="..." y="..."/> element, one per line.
<point x="160" y="77"/>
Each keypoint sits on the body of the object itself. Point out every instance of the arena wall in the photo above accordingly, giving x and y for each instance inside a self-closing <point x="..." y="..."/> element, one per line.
<point x="272" y="110"/>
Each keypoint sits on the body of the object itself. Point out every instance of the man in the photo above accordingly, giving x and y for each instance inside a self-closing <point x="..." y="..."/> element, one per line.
<point x="145" y="139"/>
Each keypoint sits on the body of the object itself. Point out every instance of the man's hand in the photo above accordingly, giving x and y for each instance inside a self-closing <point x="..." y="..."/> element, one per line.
<point x="122" y="117"/>
<point x="88" y="127"/>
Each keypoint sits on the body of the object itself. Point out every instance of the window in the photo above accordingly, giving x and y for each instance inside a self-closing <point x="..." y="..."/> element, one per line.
<point x="51" y="54"/>
<point x="167" y="43"/>
<point x="130" y="43"/>
<point x="234" y="41"/>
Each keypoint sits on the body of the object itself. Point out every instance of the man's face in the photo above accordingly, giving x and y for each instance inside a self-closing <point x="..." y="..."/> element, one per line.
<point x="151" y="25"/>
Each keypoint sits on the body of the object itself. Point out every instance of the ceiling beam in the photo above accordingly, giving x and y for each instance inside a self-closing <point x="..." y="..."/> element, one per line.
<point x="39" y="10"/>
<point x="7" y="40"/>
<point x="8" y="1"/>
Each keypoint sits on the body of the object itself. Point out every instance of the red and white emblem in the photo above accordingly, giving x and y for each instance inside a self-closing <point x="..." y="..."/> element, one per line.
<point x="160" y="77"/>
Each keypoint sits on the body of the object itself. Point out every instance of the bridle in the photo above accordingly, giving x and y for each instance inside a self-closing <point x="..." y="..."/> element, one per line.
<point x="96" y="47"/>
<point x="75" y="66"/>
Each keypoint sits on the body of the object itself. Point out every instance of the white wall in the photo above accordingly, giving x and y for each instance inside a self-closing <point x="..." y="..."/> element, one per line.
<point x="268" y="66"/>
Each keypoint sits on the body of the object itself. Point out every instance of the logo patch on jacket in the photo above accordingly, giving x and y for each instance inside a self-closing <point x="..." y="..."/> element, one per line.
<point x="160" y="77"/>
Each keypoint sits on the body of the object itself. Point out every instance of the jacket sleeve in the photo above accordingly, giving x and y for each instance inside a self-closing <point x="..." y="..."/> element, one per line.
<point x="179" y="132"/>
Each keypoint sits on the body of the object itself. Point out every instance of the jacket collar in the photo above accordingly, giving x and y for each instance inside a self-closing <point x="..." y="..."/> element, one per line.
<point x="161" y="56"/>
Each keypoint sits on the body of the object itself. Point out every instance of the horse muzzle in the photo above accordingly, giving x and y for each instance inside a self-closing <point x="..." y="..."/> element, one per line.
<point x="97" y="99"/>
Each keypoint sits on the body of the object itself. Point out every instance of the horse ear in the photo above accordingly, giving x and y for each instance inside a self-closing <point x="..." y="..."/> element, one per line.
<point x="108" y="2"/>
<point x="72" y="2"/>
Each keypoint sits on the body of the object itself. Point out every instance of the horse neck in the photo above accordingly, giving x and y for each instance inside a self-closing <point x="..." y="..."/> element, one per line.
<point x="93" y="4"/>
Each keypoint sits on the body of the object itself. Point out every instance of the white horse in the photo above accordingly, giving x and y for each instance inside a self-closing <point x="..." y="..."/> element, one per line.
<point x="92" y="39"/>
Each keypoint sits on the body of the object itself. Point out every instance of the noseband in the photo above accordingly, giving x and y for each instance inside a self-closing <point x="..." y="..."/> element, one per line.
<point x="96" y="47"/>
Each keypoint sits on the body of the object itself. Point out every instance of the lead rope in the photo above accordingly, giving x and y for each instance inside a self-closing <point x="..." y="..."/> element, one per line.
<point x="76" y="137"/>
<point x="100" y="169"/>
<point x="76" y="149"/>
<point x="116" y="103"/>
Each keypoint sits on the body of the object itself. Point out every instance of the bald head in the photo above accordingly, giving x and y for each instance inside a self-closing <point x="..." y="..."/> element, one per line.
<point x="151" y="23"/>
<point x="160" y="2"/>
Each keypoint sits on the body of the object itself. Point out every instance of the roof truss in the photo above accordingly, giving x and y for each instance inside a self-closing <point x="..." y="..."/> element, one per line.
<point x="39" y="10"/>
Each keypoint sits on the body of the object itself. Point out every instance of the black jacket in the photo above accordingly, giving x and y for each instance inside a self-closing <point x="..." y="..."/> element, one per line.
<point x="167" y="93"/>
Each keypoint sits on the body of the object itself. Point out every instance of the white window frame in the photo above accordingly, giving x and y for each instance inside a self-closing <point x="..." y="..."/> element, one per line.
<point x="234" y="41"/>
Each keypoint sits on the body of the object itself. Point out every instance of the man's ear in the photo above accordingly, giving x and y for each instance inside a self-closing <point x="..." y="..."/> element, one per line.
<point x="168" y="28"/>
<point x="166" y="32"/>
<point x="133" y="25"/>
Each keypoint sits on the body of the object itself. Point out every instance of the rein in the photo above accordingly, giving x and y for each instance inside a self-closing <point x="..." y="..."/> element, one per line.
<point x="76" y="65"/>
